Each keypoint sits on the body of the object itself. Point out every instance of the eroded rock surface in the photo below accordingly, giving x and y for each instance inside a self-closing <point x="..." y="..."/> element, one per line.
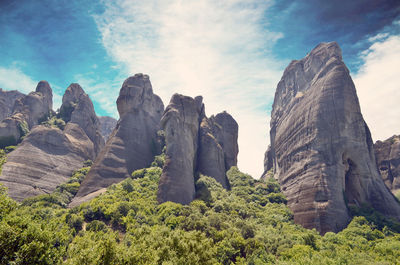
<point x="78" y="108"/>
<point x="387" y="155"/>
<point x="28" y="111"/>
<point x="321" y="146"/>
<point x="195" y="144"/>
<point x="107" y="125"/>
<point x="180" y="123"/>
<point x="133" y="143"/>
<point x="7" y="101"/>
<point x="48" y="155"/>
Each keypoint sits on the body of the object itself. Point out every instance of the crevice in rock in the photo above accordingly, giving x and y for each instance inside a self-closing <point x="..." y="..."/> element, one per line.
<point x="352" y="183"/>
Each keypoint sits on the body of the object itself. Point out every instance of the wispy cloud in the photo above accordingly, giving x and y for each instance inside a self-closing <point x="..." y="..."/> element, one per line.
<point x="217" y="49"/>
<point x="378" y="86"/>
<point x="12" y="78"/>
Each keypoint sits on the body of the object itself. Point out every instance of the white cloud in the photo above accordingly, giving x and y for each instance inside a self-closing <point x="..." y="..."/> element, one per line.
<point x="13" y="78"/>
<point x="378" y="86"/>
<point x="217" y="49"/>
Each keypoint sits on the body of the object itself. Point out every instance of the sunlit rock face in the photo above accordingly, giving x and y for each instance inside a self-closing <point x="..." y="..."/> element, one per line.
<point x="7" y="101"/>
<point x="27" y="112"/>
<point x="195" y="145"/>
<point x="387" y="155"/>
<point x="77" y="108"/>
<point x="48" y="155"/>
<point x="132" y="144"/>
<point x="321" y="147"/>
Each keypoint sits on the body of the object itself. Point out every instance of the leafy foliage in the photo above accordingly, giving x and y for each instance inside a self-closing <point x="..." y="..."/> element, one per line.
<point x="248" y="224"/>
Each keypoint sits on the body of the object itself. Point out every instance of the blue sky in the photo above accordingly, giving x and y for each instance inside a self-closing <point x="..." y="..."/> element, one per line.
<point x="231" y="52"/>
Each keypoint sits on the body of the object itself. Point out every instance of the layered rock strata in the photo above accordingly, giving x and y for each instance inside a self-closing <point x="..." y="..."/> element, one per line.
<point x="48" y="155"/>
<point x="195" y="144"/>
<point x="387" y="155"/>
<point x="133" y="143"/>
<point x="321" y="147"/>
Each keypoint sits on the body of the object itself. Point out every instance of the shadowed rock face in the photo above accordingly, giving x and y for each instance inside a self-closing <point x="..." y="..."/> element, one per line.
<point x="195" y="144"/>
<point x="7" y="101"/>
<point x="268" y="162"/>
<point x="48" y="156"/>
<point x="387" y="155"/>
<point x="133" y="143"/>
<point x="321" y="147"/>
<point x="28" y="111"/>
<point x="107" y="125"/>
<point x="180" y="123"/>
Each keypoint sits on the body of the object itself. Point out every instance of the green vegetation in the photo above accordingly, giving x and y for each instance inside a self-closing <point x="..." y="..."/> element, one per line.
<point x="249" y="224"/>
<point x="23" y="128"/>
<point x="55" y="122"/>
<point x="3" y="158"/>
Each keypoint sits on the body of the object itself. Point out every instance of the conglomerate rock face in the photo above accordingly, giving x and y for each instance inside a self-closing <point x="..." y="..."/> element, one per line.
<point x="27" y="112"/>
<point x="322" y="149"/>
<point x="195" y="144"/>
<point x="387" y="155"/>
<point x="48" y="155"/>
<point x="133" y="143"/>
<point x="7" y="101"/>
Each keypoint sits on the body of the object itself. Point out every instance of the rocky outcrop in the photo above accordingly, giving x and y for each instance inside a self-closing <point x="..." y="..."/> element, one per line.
<point x="195" y="144"/>
<point x="107" y="125"/>
<point x="45" y="159"/>
<point x="321" y="146"/>
<point x="268" y="163"/>
<point x="7" y="101"/>
<point x="48" y="155"/>
<point x="180" y="123"/>
<point x="28" y="111"/>
<point x="77" y="108"/>
<point x="133" y="143"/>
<point x="387" y="155"/>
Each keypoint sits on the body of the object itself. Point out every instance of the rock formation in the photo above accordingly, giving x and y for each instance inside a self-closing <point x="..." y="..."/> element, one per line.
<point x="180" y="123"/>
<point x="321" y="146"/>
<point x="7" y="101"/>
<point x="268" y="162"/>
<point x="48" y="155"/>
<point x="28" y="111"/>
<point x="195" y="144"/>
<point x="387" y="155"/>
<point x="132" y="145"/>
<point x="77" y="108"/>
<point x="107" y="125"/>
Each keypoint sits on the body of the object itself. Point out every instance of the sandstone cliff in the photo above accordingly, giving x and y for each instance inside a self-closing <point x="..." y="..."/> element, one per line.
<point x="195" y="144"/>
<point x="387" y="155"/>
<point x="48" y="155"/>
<point x="321" y="146"/>
<point x="132" y="145"/>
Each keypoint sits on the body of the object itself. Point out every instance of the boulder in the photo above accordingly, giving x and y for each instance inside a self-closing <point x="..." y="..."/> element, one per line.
<point x="322" y="150"/>
<point x="7" y="101"/>
<point x="107" y="125"/>
<point x="387" y="155"/>
<point x="132" y="144"/>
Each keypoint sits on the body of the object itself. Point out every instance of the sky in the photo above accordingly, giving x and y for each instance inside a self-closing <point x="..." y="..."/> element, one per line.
<point x="231" y="52"/>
